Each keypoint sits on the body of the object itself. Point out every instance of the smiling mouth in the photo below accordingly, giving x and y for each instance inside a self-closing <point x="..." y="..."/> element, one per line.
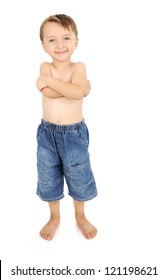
<point x="61" y="52"/>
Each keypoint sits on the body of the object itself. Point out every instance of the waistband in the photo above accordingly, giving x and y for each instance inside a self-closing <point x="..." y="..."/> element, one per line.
<point x="62" y="127"/>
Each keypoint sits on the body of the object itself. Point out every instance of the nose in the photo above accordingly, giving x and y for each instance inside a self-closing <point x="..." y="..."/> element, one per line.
<point x="59" y="44"/>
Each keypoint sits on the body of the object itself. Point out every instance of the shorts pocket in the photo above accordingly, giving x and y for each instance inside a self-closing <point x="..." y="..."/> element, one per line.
<point x="81" y="135"/>
<point x="80" y="175"/>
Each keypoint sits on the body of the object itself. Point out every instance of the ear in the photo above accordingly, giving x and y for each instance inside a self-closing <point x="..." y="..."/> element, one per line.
<point x="76" y="42"/>
<point x="44" y="47"/>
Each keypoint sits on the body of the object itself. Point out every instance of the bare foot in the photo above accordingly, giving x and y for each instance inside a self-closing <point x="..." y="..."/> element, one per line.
<point x="48" y="231"/>
<point x="88" y="230"/>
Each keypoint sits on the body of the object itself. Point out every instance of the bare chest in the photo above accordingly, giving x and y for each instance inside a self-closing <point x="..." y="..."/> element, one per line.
<point x="62" y="75"/>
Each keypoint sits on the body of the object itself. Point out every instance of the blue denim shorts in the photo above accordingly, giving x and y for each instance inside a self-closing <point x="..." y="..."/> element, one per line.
<point x="62" y="153"/>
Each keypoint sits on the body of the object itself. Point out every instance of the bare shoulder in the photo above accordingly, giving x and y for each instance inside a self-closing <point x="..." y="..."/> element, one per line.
<point x="79" y="76"/>
<point x="44" y="65"/>
<point x="80" y="65"/>
<point x="45" y="68"/>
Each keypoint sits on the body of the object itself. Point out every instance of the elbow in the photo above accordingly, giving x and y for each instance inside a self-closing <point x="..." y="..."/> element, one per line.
<point x="44" y="92"/>
<point x="80" y="94"/>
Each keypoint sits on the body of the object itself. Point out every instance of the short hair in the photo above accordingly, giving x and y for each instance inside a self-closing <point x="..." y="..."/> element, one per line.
<point x="66" y="21"/>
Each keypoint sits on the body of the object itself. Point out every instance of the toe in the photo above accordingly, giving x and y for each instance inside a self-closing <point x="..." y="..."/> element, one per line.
<point x="49" y="236"/>
<point x="88" y="235"/>
<point x="94" y="233"/>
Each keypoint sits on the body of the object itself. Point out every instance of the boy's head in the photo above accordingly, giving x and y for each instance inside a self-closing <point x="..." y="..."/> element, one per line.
<point x="65" y="21"/>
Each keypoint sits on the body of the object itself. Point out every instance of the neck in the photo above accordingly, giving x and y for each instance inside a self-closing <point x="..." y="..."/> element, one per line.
<point x="61" y="65"/>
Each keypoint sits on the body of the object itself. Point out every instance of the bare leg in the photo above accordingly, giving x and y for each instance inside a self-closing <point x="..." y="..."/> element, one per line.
<point x="88" y="230"/>
<point x="48" y="231"/>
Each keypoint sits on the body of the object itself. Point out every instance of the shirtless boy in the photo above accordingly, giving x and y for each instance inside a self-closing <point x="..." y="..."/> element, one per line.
<point x="62" y="136"/>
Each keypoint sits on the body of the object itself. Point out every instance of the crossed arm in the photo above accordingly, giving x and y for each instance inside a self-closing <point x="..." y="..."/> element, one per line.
<point x="54" y="88"/>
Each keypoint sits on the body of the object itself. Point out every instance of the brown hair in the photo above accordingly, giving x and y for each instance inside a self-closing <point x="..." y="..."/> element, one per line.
<point x="62" y="19"/>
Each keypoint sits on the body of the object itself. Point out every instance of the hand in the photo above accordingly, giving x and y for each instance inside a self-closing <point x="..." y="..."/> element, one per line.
<point x="40" y="82"/>
<point x="88" y="88"/>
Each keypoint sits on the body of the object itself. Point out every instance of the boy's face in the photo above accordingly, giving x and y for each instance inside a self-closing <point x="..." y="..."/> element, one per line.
<point x="58" y="42"/>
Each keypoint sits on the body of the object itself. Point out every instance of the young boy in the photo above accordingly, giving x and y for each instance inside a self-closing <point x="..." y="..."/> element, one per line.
<point x="62" y="136"/>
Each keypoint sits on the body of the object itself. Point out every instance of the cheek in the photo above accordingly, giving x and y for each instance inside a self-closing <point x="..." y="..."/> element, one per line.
<point x="49" y="49"/>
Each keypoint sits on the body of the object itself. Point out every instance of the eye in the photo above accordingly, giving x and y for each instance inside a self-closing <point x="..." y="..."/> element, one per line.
<point x="52" y="41"/>
<point x="67" y="38"/>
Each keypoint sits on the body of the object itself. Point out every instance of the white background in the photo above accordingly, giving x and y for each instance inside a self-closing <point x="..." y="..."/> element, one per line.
<point x="124" y="46"/>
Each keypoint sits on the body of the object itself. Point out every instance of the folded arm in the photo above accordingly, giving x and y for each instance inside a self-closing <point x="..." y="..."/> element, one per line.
<point x="52" y="87"/>
<point x="41" y="84"/>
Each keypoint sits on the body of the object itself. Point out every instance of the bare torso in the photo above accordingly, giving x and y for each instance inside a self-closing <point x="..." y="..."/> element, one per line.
<point x="62" y="110"/>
